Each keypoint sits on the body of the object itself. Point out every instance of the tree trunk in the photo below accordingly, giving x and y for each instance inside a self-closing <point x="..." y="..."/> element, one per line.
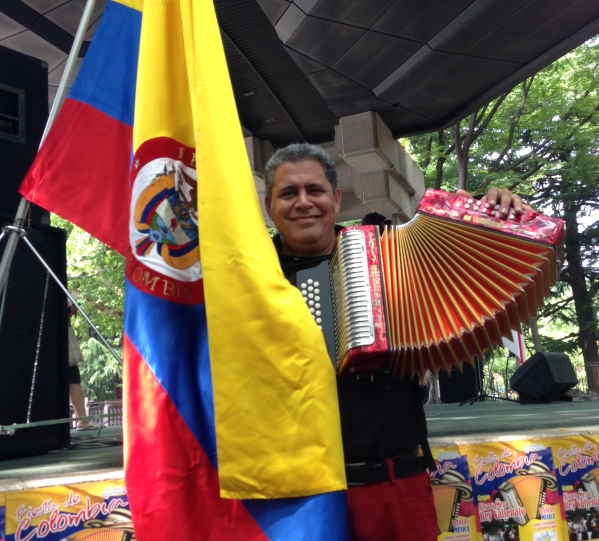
<point x="442" y="157"/>
<point x="534" y="333"/>
<point x="462" y="156"/>
<point x="582" y="299"/>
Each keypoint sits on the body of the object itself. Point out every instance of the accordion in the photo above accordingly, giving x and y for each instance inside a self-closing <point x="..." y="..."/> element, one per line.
<point x="436" y="291"/>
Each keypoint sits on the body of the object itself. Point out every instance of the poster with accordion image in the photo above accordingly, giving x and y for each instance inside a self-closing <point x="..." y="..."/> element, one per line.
<point x="515" y="491"/>
<point x="97" y="511"/>
<point x="452" y="490"/>
<point x="576" y="460"/>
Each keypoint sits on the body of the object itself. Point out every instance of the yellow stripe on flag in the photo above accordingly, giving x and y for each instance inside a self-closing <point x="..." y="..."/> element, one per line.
<point x="277" y="418"/>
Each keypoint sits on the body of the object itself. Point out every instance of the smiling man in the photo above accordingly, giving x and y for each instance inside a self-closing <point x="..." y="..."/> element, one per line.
<point x="303" y="200"/>
<point x="382" y="417"/>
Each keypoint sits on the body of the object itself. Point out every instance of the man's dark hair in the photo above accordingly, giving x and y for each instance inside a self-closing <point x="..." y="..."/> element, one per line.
<point x="297" y="152"/>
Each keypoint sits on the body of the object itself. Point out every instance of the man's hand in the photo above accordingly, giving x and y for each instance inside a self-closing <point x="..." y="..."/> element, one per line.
<point x="507" y="203"/>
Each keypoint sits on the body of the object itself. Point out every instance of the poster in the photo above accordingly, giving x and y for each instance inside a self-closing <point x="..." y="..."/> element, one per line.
<point x="452" y="490"/>
<point x="96" y="511"/>
<point x="515" y="490"/>
<point x="576" y="460"/>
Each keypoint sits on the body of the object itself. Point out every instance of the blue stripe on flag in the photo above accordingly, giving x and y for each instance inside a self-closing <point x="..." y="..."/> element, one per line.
<point x="322" y="517"/>
<point x="173" y="340"/>
<point x="107" y="77"/>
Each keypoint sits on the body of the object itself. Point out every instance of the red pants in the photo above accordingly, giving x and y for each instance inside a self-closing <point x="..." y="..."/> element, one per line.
<point x="397" y="510"/>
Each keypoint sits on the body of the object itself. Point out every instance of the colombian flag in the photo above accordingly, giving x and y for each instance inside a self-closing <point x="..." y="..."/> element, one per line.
<point x="232" y="425"/>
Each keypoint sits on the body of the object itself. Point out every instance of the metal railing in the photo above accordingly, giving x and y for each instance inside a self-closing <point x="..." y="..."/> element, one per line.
<point x="99" y="410"/>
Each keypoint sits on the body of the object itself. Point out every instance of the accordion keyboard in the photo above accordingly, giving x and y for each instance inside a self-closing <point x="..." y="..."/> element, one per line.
<point x="352" y="306"/>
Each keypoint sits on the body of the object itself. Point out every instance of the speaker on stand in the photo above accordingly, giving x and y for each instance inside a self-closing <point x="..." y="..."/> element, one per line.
<point x="458" y="386"/>
<point x="34" y="345"/>
<point x="23" y="116"/>
<point x="33" y="310"/>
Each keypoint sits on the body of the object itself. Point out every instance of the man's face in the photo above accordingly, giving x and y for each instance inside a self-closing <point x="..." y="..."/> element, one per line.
<point x="303" y="207"/>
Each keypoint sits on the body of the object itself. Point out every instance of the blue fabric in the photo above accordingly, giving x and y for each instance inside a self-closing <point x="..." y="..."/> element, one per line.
<point x="107" y="78"/>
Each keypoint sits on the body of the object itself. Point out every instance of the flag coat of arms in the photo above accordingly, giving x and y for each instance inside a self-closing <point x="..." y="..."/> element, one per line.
<point x="232" y="424"/>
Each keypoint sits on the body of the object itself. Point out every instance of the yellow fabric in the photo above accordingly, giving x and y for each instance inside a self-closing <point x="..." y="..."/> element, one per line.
<point x="277" y="417"/>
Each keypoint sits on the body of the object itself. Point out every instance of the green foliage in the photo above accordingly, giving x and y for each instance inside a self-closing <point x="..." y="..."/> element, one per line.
<point x="96" y="276"/>
<point x="540" y="140"/>
<point x="100" y="373"/>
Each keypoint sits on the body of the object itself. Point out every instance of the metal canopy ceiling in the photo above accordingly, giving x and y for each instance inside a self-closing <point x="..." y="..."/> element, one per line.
<point x="297" y="66"/>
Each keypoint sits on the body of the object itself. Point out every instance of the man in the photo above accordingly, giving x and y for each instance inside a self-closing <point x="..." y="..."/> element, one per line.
<point x="382" y="418"/>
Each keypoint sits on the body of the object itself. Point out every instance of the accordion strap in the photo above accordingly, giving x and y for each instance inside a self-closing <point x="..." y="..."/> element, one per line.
<point x="421" y="430"/>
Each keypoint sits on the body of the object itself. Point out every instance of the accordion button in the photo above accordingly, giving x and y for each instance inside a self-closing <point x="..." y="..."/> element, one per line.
<point x="304" y="285"/>
<point x="311" y="310"/>
<point x="310" y="295"/>
<point x="318" y="312"/>
<point x="320" y="326"/>
<point x="310" y="281"/>
<point x="316" y="291"/>
<point x="310" y="303"/>
<point x="317" y="305"/>
<point x="316" y="298"/>
<point x="493" y="212"/>
<point x="316" y="284"/>
<point x="466" y="206"/>
<point x="318" y="320"/>
<point x="469" y="200"/>
<point x="310" y="288"/>
<point x="496" y="206"/>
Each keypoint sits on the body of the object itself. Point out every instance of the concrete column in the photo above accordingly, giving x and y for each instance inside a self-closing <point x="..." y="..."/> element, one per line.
<point x="390" y="182"/>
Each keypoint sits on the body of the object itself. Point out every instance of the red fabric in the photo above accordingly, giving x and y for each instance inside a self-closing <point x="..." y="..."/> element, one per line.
<point x="398" y="510"/>
<point x="182" y="497"/>
<point x="65" y="178"/>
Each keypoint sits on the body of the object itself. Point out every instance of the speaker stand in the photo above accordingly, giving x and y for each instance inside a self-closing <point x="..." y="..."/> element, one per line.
<point x="480" y="395"/>
<point x="20" y="233"/>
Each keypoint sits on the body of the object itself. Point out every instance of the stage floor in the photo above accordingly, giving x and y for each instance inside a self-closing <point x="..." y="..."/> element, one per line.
<point x="99" y="456"/>
<point x="496" y="420"/>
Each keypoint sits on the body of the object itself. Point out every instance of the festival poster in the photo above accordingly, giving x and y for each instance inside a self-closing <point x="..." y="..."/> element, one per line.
<point x="576" y="460"/>
<point x="515" y="490"/>
<point x="452" y="490"/>
<point x="96" y="511"/>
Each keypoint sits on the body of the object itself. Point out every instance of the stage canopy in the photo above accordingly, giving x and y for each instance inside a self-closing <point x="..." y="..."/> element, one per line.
<point x="298" y="66"/>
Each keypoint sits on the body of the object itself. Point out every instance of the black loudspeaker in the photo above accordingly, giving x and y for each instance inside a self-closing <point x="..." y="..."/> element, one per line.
<point x="23" y="116"/>
<point x="543" y="378"/>
<point x="458" y="386"/>
<point x="21" y="310"/>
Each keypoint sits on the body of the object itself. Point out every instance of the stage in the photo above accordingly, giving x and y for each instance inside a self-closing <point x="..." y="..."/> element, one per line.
<point x="99" y="456"/>
<point x="483" y="451"/>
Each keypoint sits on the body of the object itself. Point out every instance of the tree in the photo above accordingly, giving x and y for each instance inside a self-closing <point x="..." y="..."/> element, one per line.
<point x="541" y="140"/>
<point x="95" y="275"/>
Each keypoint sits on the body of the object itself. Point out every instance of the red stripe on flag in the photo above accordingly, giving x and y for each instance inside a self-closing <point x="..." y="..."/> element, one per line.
<point x="171" y="484"/>
<point x="65" y="178"/>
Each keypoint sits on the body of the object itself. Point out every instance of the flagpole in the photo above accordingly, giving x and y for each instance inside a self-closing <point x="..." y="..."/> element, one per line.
<point x="13" y="236"/>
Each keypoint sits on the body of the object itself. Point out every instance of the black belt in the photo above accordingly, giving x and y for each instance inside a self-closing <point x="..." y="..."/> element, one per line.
<point x="378" y="472"/>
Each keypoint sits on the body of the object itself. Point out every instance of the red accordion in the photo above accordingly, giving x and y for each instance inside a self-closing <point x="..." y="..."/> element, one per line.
<point x="442" y="288"/>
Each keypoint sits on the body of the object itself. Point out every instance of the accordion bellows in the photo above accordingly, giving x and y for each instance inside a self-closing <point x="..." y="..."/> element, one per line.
<point x="442" y="288"/>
